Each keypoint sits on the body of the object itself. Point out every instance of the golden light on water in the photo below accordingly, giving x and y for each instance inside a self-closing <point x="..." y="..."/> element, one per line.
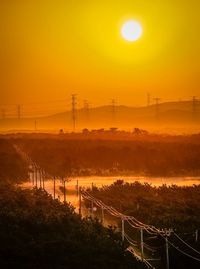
<point x="131" y="30"/>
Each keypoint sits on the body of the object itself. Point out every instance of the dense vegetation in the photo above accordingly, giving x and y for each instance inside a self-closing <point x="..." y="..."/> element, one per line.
<point x="164" y="207"/>
<point x="39" y="232"/>
<point x="12" y="166"/>
<point x="155" y="156"/>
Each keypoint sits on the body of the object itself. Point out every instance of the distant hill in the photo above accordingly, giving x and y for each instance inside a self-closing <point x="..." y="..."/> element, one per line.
<point x="165" y="116"/>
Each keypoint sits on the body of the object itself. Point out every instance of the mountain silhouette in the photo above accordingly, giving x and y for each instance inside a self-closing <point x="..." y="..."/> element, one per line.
<point x="168" y="115"/>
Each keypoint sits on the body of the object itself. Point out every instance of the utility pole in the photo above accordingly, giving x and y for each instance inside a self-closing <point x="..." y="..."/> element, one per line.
<point x="157" y="100"/>
<point x="92" y="206"/>
<point x="167" y="252"/>
<point x="54" y="187"/>
<point x="148" y="99"/>
<point x="64" y="181"/>
<point x="74" y="103"/>
<point x="80" y="205"/>
<point x="194" y="106"/>
<point x="122" y="230"/>
<point x="35" y="125"/>
<point x="40" y="177"/>
<point x="142" y="244"/>
<point x="77" y="188"/>
<point x="196" y="235"/>
<point x="43" y="176"/>
<point x="102" y="215"/>
<point x="29" y="175"/>
<point x="18" y="112"/>
<point x="36" y="178"/>
<point x="92" y="202"/>
<point x="33" y="175"/>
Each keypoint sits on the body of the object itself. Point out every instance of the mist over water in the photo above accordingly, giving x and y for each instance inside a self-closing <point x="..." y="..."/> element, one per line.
<point x="99" y="181"/>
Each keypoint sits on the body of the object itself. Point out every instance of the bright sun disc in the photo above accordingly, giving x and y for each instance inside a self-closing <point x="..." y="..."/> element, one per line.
<point x="131" y="30"/>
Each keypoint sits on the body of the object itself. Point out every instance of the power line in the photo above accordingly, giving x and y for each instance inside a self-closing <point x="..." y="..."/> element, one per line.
<point x="32" y="108"/>
<point x="183" y="252"/>
<point x="37" y="103"/>
<point x="194" y="106"/>
<point x="138" y="225"/>
<point x="130" y="219"/>
<point x="186" y="244"/>
<point x="167" y="252"/>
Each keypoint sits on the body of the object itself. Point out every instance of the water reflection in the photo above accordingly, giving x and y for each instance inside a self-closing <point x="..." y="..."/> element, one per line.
<point x="71" y="186"/>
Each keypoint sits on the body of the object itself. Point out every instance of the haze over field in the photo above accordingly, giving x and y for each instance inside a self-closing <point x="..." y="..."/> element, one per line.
<point x="50" y="50"/>
<point x="176" y="117"/>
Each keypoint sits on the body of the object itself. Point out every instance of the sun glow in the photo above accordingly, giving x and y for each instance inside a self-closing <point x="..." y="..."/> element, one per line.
<point x="131" y="30"/>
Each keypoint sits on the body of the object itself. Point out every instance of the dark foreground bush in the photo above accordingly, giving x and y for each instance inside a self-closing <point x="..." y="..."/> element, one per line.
<point x="38" y="232"/>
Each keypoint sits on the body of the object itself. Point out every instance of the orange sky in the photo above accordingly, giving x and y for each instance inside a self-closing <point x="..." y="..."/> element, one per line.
<point x="50" y="49"/>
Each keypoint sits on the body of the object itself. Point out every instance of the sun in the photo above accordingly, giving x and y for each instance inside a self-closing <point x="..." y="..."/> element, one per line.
<point x="131" y="30"/>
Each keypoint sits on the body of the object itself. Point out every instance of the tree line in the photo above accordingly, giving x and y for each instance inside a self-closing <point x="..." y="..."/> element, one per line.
<point x="109" y="157"/>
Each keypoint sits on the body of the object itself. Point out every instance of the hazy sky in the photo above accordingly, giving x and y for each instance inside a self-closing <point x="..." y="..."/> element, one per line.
<point x="50" y="49"/>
